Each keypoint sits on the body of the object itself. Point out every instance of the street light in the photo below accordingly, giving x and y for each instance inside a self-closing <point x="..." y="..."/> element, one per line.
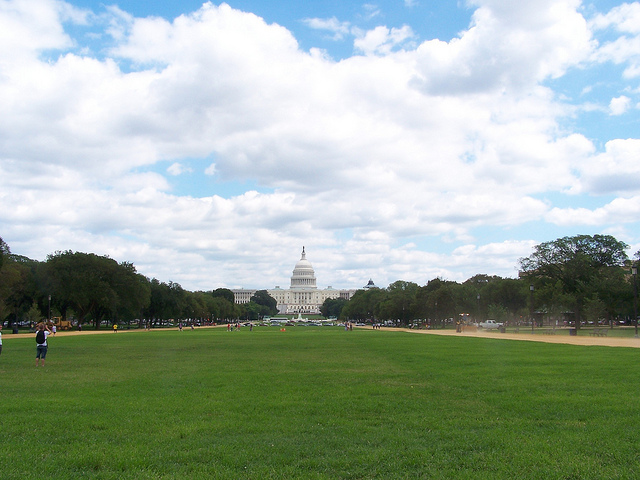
<point x="634" y="272"/>
<point x="531" y="305"/>
<point x="49" y="317"/>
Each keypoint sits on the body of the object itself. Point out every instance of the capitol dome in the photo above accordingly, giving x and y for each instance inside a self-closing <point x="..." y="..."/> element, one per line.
<point x="303" y="274"/>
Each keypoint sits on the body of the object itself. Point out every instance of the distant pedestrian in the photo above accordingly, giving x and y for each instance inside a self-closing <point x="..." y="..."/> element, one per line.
<point x="0" y="338"/>
<point x="54" y="330"/>
<point x="115" y="328"/>
<point x="180" y="326"/>
<point x="41" y="343"/>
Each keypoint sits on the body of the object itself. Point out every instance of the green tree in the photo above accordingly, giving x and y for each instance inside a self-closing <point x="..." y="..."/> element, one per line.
<point x="399" y="304"/>
<point x="18" y="289"/>
<point x="576" y="263"/>
<point x="364" y="304"/>
<point x="4" y="251"/>
<point x="224" y="293"/>
<point x="268" y="304"/>
<point x="332" y="307"/>
<point x="95" y="286"/>
<point x="438" y="300"/>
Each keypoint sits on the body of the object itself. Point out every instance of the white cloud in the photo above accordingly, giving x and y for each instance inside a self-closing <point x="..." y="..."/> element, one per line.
<point x="371" y="11"/>
<point x="210" y="170"/>
<point x="382" y="40"/>
<point x="178" y="168"/>
<point x="511" y="45"/>
<point x="337" y="28"/>
<point x="625" y="19"/>
<point x="365" y="158"/>
<point x="615" y="171"/>
<point x="619" y="105"/>
<point x="619" y="211"/>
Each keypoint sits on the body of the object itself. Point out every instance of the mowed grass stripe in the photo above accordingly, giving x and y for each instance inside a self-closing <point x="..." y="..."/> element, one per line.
<point x="316" y="403"/>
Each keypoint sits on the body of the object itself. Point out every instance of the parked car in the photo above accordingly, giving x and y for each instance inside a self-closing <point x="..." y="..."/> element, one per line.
<point x="491" y="324"/>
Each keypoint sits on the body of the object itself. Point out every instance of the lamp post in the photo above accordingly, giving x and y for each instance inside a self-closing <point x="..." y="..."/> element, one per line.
<point x="49" y="315"/>
<point x="634" y="272"/>
<point x="531" y="305"/>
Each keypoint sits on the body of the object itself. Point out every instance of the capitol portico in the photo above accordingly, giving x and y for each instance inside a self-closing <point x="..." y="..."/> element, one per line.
<point x="303" y="295"/>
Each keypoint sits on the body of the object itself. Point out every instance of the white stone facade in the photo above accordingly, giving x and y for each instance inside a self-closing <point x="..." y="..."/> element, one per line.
<point x="303" y="295"/>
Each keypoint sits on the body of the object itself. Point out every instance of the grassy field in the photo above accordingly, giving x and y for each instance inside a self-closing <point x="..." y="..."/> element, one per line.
<point x="316" y="403"/>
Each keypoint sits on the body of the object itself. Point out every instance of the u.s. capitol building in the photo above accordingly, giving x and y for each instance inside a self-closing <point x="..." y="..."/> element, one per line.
<point x="303" y="296"/>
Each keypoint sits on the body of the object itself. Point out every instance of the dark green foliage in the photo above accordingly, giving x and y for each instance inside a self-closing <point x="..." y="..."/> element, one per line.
<point x="582" y="266"/>
<point x="95" y="287"/>
<point x="332" y="307"/>
<point x="266" y="303"/>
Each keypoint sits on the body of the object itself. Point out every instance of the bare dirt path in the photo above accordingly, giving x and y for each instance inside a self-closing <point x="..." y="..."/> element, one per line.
<point x="538" y="337"/>
<point x="91" y="331"/>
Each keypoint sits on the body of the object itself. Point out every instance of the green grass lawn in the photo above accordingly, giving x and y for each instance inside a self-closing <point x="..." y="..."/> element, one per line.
<point x="317" y="403"/>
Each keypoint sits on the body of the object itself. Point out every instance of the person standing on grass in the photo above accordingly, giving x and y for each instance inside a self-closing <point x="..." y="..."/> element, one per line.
<point x="42" y="332"/>
<point x="0" y="338"/>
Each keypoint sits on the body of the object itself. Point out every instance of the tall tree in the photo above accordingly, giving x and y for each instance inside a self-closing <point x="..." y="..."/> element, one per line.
<point x="17" y="288"/>
<point x="332" y="307"/>
<point x="576" y="263"/>
<point x="269" y="304"/>
<point x="95" y="286"/>
<point x="400" y="302"/>
<point x="224" y="293"/>
<point x="4" y="251"/>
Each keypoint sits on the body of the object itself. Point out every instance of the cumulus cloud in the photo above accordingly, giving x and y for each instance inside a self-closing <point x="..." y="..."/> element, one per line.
<point x="614" y="171"/>
<point x="178" y="168"/>
<point x="509" y="46"/>
<point x="382" y="40"/>
<point x="361" y="159"/>
<point x="624" y="49"/>
<point x="619" y="105"/>
<point x="338" y="29"/>
<point x="210" y="170"/>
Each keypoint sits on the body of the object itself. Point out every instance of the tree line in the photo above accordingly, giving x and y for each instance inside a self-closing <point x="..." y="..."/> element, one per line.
<point x="576" y="279"/>
<point x="93" y="289"/>
<point x="572" y="279"/>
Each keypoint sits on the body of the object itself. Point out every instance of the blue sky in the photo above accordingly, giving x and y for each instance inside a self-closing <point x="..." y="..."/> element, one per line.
<point x="396" y="140"/>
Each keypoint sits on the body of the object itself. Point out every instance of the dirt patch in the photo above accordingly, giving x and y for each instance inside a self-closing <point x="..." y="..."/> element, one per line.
<point x="537" y="337"/>
<point x="90" y="331"/>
